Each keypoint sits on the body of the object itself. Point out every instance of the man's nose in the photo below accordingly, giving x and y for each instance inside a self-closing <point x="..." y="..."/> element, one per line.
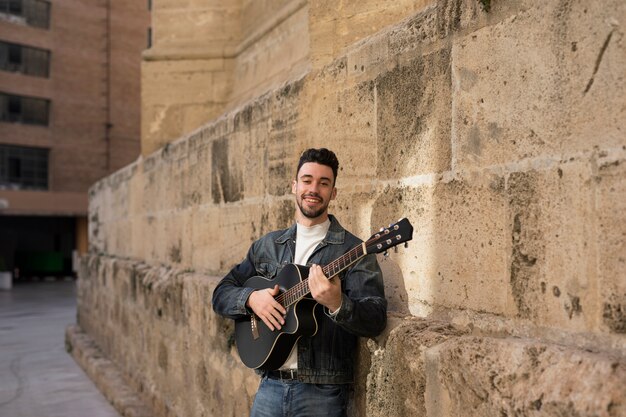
<point x="314" y="187"/>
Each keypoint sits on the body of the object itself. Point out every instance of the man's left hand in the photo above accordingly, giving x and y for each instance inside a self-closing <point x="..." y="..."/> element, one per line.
<point x="325" y="291"/>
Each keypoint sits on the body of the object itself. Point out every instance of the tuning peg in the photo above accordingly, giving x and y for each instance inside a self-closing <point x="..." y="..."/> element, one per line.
<point x="406" y="244"/>
<point x="395" y="249"/>
<point x="386" y="254"/>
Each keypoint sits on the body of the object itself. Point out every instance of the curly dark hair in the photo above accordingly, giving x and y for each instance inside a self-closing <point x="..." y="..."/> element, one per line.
<point x="321" y="156"/>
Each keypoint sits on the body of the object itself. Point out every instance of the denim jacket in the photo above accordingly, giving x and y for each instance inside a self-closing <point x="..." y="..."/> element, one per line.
<point x="328" y="356"/>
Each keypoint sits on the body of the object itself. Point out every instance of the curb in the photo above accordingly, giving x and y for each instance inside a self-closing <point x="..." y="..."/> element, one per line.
<point x="104" y="373"/>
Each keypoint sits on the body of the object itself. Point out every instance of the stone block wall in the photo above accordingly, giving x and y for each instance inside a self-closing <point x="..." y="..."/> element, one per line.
<point x="156" y="324"/>
<point x="210" y="56"/>
<point x="498" y="134"/>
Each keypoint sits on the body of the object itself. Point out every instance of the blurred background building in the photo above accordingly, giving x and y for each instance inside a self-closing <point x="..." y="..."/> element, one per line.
<point x="69" y="115"/>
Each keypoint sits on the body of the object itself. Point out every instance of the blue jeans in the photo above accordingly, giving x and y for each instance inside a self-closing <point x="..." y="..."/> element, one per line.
<point x="289" y="398"/>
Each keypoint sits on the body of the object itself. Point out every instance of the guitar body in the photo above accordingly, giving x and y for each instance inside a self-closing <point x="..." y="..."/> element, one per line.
<point x="266" y="349"/>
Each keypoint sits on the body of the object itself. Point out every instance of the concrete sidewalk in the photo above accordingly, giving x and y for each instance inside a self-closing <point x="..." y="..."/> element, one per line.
<point x="37" y="376"/>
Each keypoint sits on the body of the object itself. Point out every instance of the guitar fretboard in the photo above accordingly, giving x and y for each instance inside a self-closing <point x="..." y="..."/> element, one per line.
<point x="298" y="291"/>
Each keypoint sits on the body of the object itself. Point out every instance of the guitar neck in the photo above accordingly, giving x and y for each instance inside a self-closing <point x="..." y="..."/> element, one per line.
<point x="297" y="292"/>
<point x="343" y="261"/>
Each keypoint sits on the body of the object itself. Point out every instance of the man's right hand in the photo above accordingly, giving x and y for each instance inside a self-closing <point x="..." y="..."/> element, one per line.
<point x="266" y="308"/>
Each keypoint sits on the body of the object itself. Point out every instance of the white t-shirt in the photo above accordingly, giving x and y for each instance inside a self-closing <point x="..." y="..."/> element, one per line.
<point x="307" y="239"/>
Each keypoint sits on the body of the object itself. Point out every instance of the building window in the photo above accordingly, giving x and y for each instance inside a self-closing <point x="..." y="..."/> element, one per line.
<point x="23" y="168"/>
<point x="21" y="109"/>
<point x="13" y="7"/>
<point x="24" y="59"/>
<point x="31" y="12"/>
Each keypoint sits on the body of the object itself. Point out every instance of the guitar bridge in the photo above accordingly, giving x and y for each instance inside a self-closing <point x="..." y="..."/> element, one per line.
<point x="254" y="327"/>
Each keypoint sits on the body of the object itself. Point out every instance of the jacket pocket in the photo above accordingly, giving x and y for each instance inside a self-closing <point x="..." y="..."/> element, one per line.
<point x="267" y="268"/>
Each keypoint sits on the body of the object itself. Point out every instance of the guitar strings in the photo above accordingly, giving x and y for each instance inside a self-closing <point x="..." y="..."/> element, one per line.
<point x="298" y="291"/>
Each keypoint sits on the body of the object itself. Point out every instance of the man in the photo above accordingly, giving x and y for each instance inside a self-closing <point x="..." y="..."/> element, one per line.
<point x="315" y="379"/>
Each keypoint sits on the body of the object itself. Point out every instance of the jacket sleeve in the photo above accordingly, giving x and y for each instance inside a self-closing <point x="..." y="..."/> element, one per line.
<point x="230" y="296"/>
<point x="363" y="310"/>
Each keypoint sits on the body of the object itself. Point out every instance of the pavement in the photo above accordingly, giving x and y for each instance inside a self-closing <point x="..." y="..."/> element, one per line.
<point x="37" y="376"/>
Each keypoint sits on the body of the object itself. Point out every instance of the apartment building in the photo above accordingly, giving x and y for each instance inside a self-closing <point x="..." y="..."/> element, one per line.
<point x="69" y="115"/>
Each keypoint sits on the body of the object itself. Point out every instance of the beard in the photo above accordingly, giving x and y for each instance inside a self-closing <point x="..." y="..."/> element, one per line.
<point x="308" y="212"/>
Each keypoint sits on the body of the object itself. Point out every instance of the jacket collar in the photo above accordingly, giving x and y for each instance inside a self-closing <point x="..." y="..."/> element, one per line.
<point x="335" y="236"/>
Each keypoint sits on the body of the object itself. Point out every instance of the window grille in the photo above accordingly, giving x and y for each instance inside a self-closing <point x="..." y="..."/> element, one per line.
<point x="23" y="168"/>
<point x="21" y="109"/>
<point x="31" y="12"/>
<point x="24" y="59"/>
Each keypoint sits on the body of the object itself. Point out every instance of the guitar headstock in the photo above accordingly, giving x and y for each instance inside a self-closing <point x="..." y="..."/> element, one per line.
<point x="391" y="236"/>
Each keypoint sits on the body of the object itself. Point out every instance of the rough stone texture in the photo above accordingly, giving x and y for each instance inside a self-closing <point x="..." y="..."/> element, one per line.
<point x="414" y="127"/>
<point x="498" y="134"/>
<point x="171" y="101"/>
<point x="396" y="382"/>
<point x="516" y="377"/>
<point x="335" y="27"/>
<point x="163" y="337"/>
<point x="508" y="108"/>
<point x="611" y="207"/>
<point x="210" y="57"/>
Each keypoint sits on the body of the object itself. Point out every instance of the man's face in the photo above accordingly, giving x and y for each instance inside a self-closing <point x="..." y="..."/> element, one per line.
<point x="314" y="187"/>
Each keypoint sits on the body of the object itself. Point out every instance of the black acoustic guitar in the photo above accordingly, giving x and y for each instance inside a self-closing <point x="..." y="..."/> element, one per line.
<point x="261" y="348"/>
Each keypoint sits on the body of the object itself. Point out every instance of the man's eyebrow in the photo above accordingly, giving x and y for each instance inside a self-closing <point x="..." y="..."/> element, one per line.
<point x="309" y="176"/>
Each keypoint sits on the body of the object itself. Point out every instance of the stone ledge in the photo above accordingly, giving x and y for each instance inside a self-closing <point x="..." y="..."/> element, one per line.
<point x="104" y="373"/>
<point x="426" y="367"/>
<point x="486" y="376"/>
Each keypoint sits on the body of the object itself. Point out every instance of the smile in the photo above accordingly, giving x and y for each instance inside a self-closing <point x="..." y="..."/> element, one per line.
<point x="312" y="200"/>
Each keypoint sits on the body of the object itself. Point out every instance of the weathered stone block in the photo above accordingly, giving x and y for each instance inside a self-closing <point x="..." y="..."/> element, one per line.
<point x="457" y="256"/>
<point x="396" y="382"/>
<point x="285" y="139"/>
<point x="262" y="66"/>
<point x="156" y="324"/>
<point x="554" y="246"/>
<point x="227" y="175"/>
<point x="173" y="104"/>
<point x="611" y="243"/>
<point x="177" y="21"/>
<point x="334" y="28"/>
<point x="513" y="377"/>
<point x="413" y="114"/>
<point x="546" y="81"/>
<point x="344" y="120"/>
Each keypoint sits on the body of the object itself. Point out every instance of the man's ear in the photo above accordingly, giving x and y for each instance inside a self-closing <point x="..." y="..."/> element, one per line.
<point x="293" y="186"/>
<point x="334" y="193"/>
